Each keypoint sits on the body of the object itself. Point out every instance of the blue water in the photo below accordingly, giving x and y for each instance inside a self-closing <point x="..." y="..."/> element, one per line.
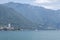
<point x="29" y="35"/>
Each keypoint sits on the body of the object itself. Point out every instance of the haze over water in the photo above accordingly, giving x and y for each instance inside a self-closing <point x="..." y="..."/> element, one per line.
<point x="30" y="35"/>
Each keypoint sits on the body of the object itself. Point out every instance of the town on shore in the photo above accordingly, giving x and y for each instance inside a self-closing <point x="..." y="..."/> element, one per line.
<point x="6" y="28"/>
<point x="10" y="28"/>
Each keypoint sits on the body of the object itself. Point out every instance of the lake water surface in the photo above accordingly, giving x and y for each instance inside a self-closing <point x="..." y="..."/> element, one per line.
<point x="30" y="35"/>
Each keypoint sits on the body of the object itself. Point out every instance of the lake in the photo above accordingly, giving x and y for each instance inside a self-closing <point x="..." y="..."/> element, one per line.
<point x="30" y="35"/>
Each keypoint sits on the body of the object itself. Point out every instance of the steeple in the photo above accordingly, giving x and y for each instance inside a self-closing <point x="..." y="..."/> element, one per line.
<point x="9" y="25"/>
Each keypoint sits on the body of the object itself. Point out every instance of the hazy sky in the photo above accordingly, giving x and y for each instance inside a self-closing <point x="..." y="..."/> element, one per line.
<point x="50" y="4"/>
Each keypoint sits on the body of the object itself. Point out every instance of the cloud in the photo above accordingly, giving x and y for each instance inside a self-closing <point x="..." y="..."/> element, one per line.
<point x="41" y="1"/>
<point x="50" y="4"/>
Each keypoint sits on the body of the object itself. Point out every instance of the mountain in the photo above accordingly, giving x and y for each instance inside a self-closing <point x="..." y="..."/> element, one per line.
<point x="40" y="15"/>
<point x="9" y="15"/>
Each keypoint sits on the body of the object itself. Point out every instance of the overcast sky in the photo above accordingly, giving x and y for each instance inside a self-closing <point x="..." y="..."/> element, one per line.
<point x="50" y="4"/>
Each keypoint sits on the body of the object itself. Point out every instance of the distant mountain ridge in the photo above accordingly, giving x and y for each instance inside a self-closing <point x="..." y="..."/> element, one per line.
<point x="9" y="15"/>
<point x="41" y="16"/>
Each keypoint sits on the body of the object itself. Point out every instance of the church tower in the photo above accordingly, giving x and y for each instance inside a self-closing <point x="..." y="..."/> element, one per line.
<point x="9" y="25"/>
